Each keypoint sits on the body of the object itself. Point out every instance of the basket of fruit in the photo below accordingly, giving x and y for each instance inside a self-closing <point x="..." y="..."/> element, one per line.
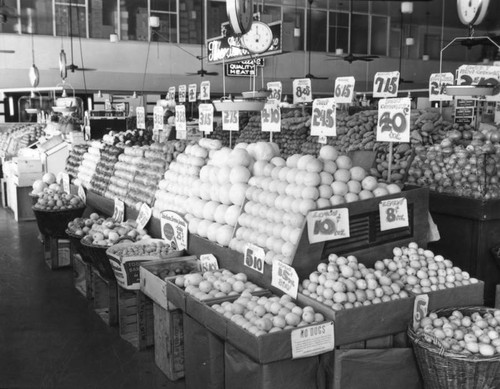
<point x="458" y="348"/>
<point x="125" y="259"/>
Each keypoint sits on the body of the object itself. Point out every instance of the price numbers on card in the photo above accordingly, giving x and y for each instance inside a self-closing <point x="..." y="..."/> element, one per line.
<point x="393" y="214"/>
<point x="270" y="117"/>
<point x="119" y="211"/>
<point x="480" y="75"/>
<point x="144" y="216"/>
<point x="437" y="86"/>
<point x="254" y="257"/>
<point x="285" y="278"/>
<point x="230" y="121"/>
<point x="208" y="262"/>
<point x="182" y="93"/>
<point x="344" y="89"/>
<point x="329" y="224"/>
<point x="171" y="93"/>
<point x="180" y="118"/>
<point x="206" y="117"/>
<point x="140" y="114"/>
<point x="302" y="91"/>
<point x="420" y="309"/>
<point x="205" y="90"/>
<point x="323" y="117"/>
<point x="394" y="120"/>
<point x="386" y="84"/>
<point x="174" y="229"/>
<point x="82" y="194"/>
<point x="66" y="183"/>
<point x="276" y="89"/>
<point x="158" y="118"/>
<point x="192" y="93"/>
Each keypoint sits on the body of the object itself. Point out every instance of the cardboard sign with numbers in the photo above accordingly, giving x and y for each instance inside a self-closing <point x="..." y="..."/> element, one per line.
<point x="119" y="211"/>
<point x="328" y="224"/>
<point x="208" y="262"/>
<point x="276" y="89"/>
<point x="344" y="89"/>
<point x="206" y="118"/>
<point x="420" y="309"/>
<point x="393" y="214"/>
<point x="192" y="93"/>
<point x="182" y="93"/>
<point x="254" y="257"/>
<point x="171" y="93"/>
<point x="285" y="278"/>
<point x="205" y="90"/>
<point x="143" y="216"/>
<point x="437" y="84"/>
<point x="141" y="118"/>
<point x="479" y="75"/>
<point x="386" y="84"/>
<point x="394" y="120"/>
<point x="230" y="121"/>
<point x="323" y="117"/>
<point x="302" y="91"/>
<point x="158" y="117"/>
<point x="271" y="117"/>
<point x="180" y="118"/>
<point x="174" y="229"/>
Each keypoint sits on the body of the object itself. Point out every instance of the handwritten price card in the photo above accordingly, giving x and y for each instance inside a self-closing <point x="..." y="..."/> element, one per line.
<point x="205" y="90"/>
<point x="420" y="309"/>
<point x="144" y="216"/>
<point x="479" y="75"/>
<point x="206" y="118"/>
<point x="208" y="262"/>
<point x="174" y="229"/>
<point x="302" y="92"/>
<point x="119" y="211"/>
<point x="66" y="183"/>
<point x="394" y="120"/>
<point x="386" y="84"/>
<point x="344" y="89"/>
<point x="393" y="214"/>
<point x="158" y="118"/>
<point x="285" y="278"/>
<point x="276" y="89"/>
<point x="171" y="93"/>
<point x="180" y="118"/>
<point x="254" y="257"/>
<point x="230" y="121"/>
<point x="182" y="93"/>
<point x="192" y="93"/>
<point x="323" y="117"/>
<point x="329" y="224"/>
<point x="270" y="117"/>
<point x="437" y="86"/>
<point x="141" y="118"/>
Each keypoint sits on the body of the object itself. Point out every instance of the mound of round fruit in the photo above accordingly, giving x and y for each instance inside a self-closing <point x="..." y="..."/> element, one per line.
<point x="467" y="335"/>
<point x="153" y="248"/>
<point x="176" y="269"/>
<point x="216" y="284"/>
<point x="54" y="198"/>
<point x="106" y="232"/>
<point x="266" y="314"/>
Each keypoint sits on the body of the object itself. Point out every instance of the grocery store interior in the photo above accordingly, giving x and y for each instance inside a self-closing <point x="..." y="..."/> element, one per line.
<point x="250" y="194"/>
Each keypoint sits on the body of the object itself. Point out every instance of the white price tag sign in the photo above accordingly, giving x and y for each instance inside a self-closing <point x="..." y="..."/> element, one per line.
<point x="66" y="183"/>
<point x="174" y="229"/>
<point x="144" y="216"/>
<point x="205" y="90"/>
<point x="171" y="93"/>
<point x="285" y="278"/>
<point x="192" y="93"/>
<point x="180" y="118"/>
<point x="312" y="340"/>
<point x="230" y="121"/>
<point x="254" y="257"/>
<point x="270" y="117"/>
<point x="182" y="93"/>
<point x="344" y="89"/>
<point x="208" y="262"/>
<point x="479" y="75"/>
<point x="140" y="118"/>
<point x="386" y="84"/>
<point x="393" y="214"/>
<point x="323" y="117"/>
<point x="276" y="89"/>
<point x="206" y="118"/>
<point x="158" y="118"/>
<point x="420" y="309"/>
<point x="322" y="139"/>
<point x="119" y="211"/>
<point x="394" y="120"/>
<point x="437" y="83"/>
<point x="82" y="194"/>
<point x="302" y="91"/>
<point x="329" y="224"/>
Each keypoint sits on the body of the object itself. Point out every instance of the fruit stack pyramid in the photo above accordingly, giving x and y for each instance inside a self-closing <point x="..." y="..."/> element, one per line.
<point x="123" y="174"/>
<point x="19" y="136"/>
<point x="175" y="189"/>
<point x="89" y="163"/>
<point x="129" y="138"/>
<point x="218" y="195"/>
<point x="75" y="158"/>
<point x="105" y="168"/>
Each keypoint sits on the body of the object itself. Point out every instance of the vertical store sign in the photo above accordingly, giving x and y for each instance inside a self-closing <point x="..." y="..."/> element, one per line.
<point x="182" y="93"/>
<point x="141" y="118"/>
<point x="192" y="93"/>
<point x="205" y="90"/>
<point x="206" y="117"/>
<point x="302" y="91"/>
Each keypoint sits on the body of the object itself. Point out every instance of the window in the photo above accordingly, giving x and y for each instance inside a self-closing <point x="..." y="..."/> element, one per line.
<point x="102" y="18"/>
<point x="73" y="23"/>
<point x="378" y="36"/>
<point x="166" y="10"/>
<point x="295" y="17"/>
<point x="134" y="23"/>
<point x="359" y="28"/>
<point x="191" y="22"/>
<point x="338" y="31"/>
<point x="36" y="17"/>
<point x="11" y="25"/>
<point x="216" y="15"/>
<point x="318" y="31"/>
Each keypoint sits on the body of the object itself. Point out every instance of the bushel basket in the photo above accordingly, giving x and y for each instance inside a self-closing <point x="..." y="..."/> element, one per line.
<point x="77" y="245"/>
<point x="444" y="369"/>
<point x="54" y="223"/>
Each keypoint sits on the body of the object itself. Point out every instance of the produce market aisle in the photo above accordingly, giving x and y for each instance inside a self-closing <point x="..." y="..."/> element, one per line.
<point x="49" y="335"/>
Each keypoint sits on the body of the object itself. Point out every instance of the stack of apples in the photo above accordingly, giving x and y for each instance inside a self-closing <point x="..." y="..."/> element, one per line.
<point x="75" y="158"/>
<point x="89" y="163"/>
<point x="53" y="198"/>
<point x="106" y="232"/>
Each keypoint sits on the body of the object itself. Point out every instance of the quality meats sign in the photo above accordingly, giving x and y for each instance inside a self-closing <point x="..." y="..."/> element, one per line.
<point x="244" y="68"/>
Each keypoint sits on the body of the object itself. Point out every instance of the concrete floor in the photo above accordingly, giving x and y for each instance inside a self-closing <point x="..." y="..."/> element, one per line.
<point x="49" y="335"/>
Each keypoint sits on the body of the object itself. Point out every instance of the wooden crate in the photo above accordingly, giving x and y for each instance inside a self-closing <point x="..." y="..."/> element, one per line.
<point x="82" y="276"/>
<point x="57" y="252"/>
<point x="169" y="341"/>
<point x="105" y="298"/>
<point x="135" y="317"/>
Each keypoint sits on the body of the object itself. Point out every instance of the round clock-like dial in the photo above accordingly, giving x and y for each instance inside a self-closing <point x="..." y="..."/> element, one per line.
<point x="472" y="12"/>
<point x="259" y="38"/>
<point x="240" y="15"/>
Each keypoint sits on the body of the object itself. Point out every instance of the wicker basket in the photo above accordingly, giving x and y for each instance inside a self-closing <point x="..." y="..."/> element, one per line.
<point x="54" y="223"/>
<point x="77" y="244"/>
<point x="442" y="369"/>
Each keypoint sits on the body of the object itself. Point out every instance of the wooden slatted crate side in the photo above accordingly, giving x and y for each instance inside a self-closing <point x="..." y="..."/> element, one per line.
<point x="135" y="318"/>
<point x="82" y="276"/>
<point x="57" y="252"/>
<point x="105" y="298"/>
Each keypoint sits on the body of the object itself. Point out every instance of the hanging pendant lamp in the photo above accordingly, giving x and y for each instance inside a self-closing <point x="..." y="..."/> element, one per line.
<point x="34" y="74"/>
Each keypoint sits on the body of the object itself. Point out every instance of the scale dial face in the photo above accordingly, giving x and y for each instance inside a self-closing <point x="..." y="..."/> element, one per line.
<point x="258" y="39"/>
<point x="472" y="12"/>
<point x="240" y="15"/>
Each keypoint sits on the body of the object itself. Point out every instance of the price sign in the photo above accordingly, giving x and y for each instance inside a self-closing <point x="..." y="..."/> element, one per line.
<point x="230" y="121"/>
<point x="119" y="211"/>
<point x="144" y="216"/>
<point x="328" y="224"/>
<point x="285" y="278"/>
<point x="420" y="309"/>
<point x="66" y="183"/>
<point x="208" y="262"/>
<point x="82" y="194"/>
<point x="158" y="118"/>
<point x="205" y="90"/>
<point x="276" y="89"/>
<point x="254" y="257"/>
<point x="107" y="105"/>
<point x="479" y="75"/>
<point x="386" y="84"/>
<point x="394" y="120"/>
<point x="174" y="229"/>
<point x="437" y="83"/>
<point x="344" y="89"/>
<point x="270" y="117"/>
<point x="180" y="118"/>
<point x="322" y="139"/>
<point x="302" y="92"/>
<point x="182" y="93"/>
<point x="206" y="119"/>
<point x="171" y="93"/>
<point x="312" y="340"/>
<point x="323" y="117"/>
<point x="393" y="214"/>
<point x="141" y="118"/>
<point x="192" y="93"/>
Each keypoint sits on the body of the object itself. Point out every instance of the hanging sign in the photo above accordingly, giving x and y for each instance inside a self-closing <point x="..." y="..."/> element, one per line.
<point x="479" y="75"/>
<point x="393" y="214"/>
<point x="386" y="84"/>
<point x="119" y="211"/>
<point x="180" y="118"/>
<point x="394" y="120"/>
<point x="206" y="118"/>
<point x="205" y="90"/>
<point x="420" y="309"/>
<point x="465" y="111"/>
<point x="254" y="257"/>
<point x="208" y="262"/>
<point x="82" y="194"/>
<point x="270" y="117"/>
<point x="328" y="224"/>
<point x="158" y="117"/>
<point x="323" y="117"/>
<point x="302" y="91"/>
<point x="141" y="118"/>
<point x="244" y="68"/>
<point x="144" y="216"/>
<point x="276" y="89"/>
<point x="285" y="278"/>
<point x="344" y="90"/>
<point x="437" y="84"/>
<point x="174" y="229"/>
<point x="192" y="93"/>
<point x="182" y="93"/>
<point x="230" y="121"/>
<point x="171" y="93"/>
<point x="312" y="340"/>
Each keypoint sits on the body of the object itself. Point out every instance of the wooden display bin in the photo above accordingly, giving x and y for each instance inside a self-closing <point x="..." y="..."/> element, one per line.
<point x="105" y="298"/>
<point x="82" y="276"/>
<point x="57" y="252"/>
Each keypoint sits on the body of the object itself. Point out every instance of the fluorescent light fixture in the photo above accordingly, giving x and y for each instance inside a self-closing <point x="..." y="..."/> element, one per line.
<point x="11" y="106"/>
<point x="89" y="103"/>
<point x="407" y="7"/>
